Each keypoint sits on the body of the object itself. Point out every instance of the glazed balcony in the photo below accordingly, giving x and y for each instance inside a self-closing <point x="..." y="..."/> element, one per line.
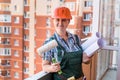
<point x="5" y="75"/>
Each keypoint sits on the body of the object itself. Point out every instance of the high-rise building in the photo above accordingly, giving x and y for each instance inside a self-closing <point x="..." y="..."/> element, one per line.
<point x="25" y="24"/>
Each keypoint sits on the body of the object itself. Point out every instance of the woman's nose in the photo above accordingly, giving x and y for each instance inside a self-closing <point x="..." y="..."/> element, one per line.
<point x="60" y="21"/>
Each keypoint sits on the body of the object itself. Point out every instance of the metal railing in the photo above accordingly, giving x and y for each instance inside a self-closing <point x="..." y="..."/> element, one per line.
<point x="41" y="76"/>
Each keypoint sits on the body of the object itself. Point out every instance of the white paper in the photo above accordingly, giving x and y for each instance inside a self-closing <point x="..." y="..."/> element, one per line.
<point x="90" y="41"/>
<point x="91" y="49"/>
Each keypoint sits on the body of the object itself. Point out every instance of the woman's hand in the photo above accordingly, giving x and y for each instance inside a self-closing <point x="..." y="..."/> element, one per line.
<point x="55" y="67"/>
<point x="50" y="67"/>
<point x="86" y="59"/>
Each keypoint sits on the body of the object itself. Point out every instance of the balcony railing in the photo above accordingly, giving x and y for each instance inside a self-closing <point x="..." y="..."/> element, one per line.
<point x="40" y="76"/>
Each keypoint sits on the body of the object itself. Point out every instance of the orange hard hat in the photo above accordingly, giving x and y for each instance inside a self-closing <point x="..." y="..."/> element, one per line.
<point x="62" y="12"/>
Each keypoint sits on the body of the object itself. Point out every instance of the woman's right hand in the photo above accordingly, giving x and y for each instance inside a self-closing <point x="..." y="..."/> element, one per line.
<point x="50" y="67"/>
<point x="55" y="67"/>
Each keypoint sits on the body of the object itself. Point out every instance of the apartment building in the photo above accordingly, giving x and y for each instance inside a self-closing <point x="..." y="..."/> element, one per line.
<point x="105" y="64"/>
<point x="25" y="24"/>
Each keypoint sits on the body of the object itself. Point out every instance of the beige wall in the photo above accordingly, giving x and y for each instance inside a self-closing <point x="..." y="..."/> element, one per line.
<point x="19" y="4"/>
<point x="31" y="38"/>
<point x="41" y="6"/>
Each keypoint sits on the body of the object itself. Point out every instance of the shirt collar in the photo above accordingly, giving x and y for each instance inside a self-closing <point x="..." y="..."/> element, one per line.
<point x="59" y="38"/>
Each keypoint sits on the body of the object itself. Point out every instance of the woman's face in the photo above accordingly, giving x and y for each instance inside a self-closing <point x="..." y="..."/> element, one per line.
<point x="61" y="25"/>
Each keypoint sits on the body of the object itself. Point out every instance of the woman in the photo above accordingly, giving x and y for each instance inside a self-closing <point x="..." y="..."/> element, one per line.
<point x="68" y="54"/>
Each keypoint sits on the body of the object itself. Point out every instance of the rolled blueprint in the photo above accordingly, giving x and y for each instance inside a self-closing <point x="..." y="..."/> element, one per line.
<point x="91" y="49"/>
<point x="48" y="46"/>
<point x="90" y="41"/>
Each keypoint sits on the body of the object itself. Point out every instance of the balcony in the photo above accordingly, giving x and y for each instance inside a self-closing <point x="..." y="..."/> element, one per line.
<point x="5" y="43"/>
<point x="4" y="75"/>
<point x="5" y="64"/>
<point x="7" y="77"/>
<point x="103" y="73"/>
<point x="109" y="75"/>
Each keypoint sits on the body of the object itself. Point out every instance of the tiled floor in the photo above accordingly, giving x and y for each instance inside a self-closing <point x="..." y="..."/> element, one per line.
<point x="110" y="75"/>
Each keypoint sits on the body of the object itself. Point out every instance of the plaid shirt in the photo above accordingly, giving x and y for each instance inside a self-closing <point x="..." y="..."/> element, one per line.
<point x="69" y="46"/>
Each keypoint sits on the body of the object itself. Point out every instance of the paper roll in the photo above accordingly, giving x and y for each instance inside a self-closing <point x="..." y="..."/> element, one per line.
<point x="90" y="41"/>
<point x="91" y="49"/>
<point x="48" y="46"/>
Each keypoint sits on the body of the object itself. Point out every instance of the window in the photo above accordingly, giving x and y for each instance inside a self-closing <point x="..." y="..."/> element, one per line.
<point x="48" y="22"/>
<point x="61" y="0"/>
<point x="26" y="48"/>
<point x="86" y="29"/>
<point x="87" y="16"/>
<point x="8" y="73"/>
<point x="26" y="25"/>
<point x="26" y="14"/>
<point x="48" y="9"/>
<point x="15" y="8"/>
<point x="88" y="3"/>
<point x="4" y="7"/>
<point x="16" y="42"/>
<point x="5" y="18"/>
<point x="1" y="29"/>
<point x="5" y="51"/>
<point x="6" y="41"/>
<point x="16" y="75"/>
<point x="8" y="62"/>
<point x="25" y="2"/>
<point x="16" y="53"/>
<point x="16" y="31"/>
<point x="5" y="29"/>
<point x="16" y="20"/>
<point x="26" y="37"/>
<point x="26" y="60"/>
<point x="0" y="71"/>
<point x="16" y="64"/>
<point x="26" y="70"/>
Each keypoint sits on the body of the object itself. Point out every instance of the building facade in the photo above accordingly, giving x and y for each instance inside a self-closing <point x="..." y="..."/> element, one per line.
<point x="25" y="24"/>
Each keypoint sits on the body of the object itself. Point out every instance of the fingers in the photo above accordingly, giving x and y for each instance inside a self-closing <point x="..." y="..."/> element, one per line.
<point x="56" y="67"/>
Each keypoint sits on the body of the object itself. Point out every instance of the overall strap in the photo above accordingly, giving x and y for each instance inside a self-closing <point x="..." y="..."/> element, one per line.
<point x="77" y="41"/>
<point x="59" y="50"/>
